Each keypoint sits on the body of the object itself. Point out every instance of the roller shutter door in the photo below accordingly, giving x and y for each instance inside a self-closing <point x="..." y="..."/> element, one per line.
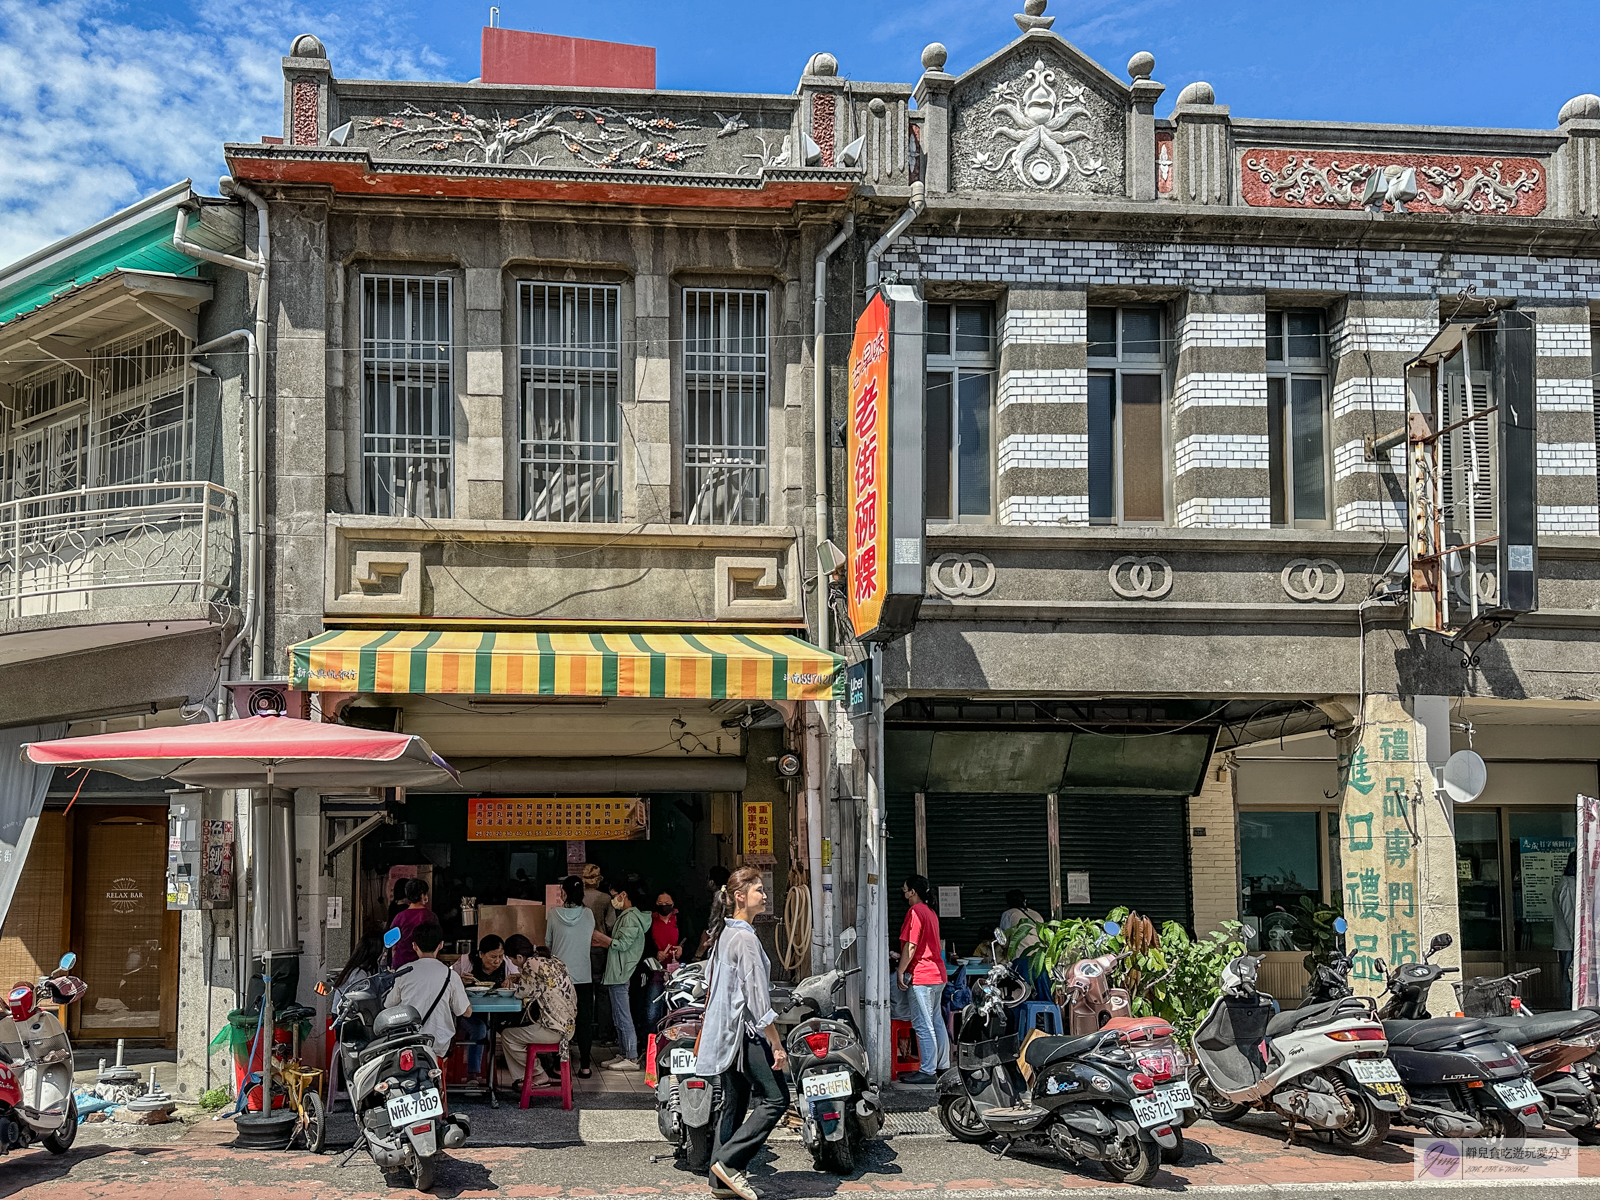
<point x="1136" y="851"/>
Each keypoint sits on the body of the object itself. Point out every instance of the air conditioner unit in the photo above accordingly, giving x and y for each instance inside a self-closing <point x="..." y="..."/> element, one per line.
<point x="267" y="698"/>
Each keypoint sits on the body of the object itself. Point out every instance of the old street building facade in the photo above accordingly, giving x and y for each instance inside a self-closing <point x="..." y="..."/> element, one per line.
<point x="541" y="439"/>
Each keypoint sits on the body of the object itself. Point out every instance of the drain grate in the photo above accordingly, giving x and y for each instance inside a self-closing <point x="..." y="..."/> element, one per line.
<point x="898" y="1124"/>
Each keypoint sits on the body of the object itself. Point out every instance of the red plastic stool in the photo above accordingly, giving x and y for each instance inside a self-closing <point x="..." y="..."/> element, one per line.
<point x="907" y="1056"/>
<point x="531" y="1065"/>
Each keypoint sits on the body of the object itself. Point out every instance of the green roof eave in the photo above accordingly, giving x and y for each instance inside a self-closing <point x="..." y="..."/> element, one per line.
<point x="145" y="247"/>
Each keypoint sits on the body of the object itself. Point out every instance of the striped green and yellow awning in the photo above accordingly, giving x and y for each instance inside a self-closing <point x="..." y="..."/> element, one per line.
<point x="704" y="666"/>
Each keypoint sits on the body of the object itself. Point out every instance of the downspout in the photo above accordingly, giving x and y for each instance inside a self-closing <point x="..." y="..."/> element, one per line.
<point x="816" y="725"/>
<point x="891" y="235"/>
<point x="259" y="500"/>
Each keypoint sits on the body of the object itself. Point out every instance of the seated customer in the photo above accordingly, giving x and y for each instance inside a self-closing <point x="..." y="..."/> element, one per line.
<point x="487" y="964"/>
<point x="519" y="949"/>
<point x="431" y="988"/>
<point x="549" y="1014"/>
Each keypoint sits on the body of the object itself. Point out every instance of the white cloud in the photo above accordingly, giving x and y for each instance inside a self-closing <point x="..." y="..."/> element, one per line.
<point x="99" y="107"/>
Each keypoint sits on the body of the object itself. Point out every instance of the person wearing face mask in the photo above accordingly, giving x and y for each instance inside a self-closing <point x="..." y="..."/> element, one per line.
<point x="666" y="941"/>
<point x="627" y="947"/>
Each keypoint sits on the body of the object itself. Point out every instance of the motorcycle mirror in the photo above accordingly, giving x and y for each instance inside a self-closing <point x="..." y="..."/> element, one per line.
<point x="1340" y="925"/>
<point x="1440" y="942"/>
<point x="1379" y="966"/>
<point x="999" y="935"/>
<point x="68" y="961"/>
<point x="1112" y="928"/>
<point x="1247" y="930"/>
<point x="392" y="938"/>
<point x="847" y="937"/>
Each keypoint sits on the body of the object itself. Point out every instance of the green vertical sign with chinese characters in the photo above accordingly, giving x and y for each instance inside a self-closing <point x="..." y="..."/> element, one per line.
<point x="1378" y="774"/>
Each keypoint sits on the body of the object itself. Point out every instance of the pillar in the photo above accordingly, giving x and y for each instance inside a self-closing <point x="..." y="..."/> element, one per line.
<point x="1214" y="849"/>
<point x="482" y="495"/>
<point x="1219" y="413"/>
<point x="1564" y="400"/>
<point x="1041" y="411"/>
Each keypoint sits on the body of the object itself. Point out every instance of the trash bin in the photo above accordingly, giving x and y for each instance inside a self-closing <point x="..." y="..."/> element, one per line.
<point x="239" y="1035"/>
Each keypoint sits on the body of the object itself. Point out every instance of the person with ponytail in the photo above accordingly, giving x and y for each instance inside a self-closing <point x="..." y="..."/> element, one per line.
<point x="738" y="1040"/>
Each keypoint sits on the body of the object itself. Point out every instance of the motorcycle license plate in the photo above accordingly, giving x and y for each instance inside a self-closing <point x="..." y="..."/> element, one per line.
<point x="682" y="1062"/>
<point x="1151" y="1111"/>
<point x="414" y="1106"/>
<point x="1519" y="1093"/>
<point x="1177" y="1094"/>
<point x="1374" y="1070"/>
<point x="826" y="1087"/>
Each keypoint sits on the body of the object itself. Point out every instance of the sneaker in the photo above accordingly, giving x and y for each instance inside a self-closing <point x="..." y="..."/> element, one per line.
<point x="737" y="1182"/>
<point x="721" y="1193"/>
<point x="622" y="1064"/>
<point x="917" y="1078"/>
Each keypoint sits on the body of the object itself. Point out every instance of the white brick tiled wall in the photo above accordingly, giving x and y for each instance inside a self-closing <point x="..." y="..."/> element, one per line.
<point x="1557" y="340"/>
<point x="1566" y="458"/>
<point x="1221" y="329"/>
<point x="1371" y="514"/>
<point x="1564" y="395"/>
<point x="1044" y="326"/>
<point x="1045" y="385"/>
<point x="1569" y="518"/>
<point x="1368" y="395"/>
<point x="1376" y="334"/>
<point x="1044" y="450"/>
<point x="1044" y="510"/>
<point x="1225" y="512"/>
<point x="1225" y="389"/>
<point x="1350" y="459"/>
<point x="1220" y="450"/>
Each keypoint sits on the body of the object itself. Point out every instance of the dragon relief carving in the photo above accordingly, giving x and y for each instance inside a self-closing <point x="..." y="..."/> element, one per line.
<point x="605" y="138"/>
<point x="1278" y="178"/>
<point x="1045" y="152"/>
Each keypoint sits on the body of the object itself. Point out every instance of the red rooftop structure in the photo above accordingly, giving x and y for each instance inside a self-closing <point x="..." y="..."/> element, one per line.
<point x="514" y="56"/>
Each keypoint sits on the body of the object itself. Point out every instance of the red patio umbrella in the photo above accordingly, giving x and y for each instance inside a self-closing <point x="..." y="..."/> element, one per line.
<point x="271" y="752"/>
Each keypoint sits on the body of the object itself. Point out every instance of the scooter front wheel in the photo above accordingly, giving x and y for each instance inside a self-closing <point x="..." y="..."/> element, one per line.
<point x="1212" y="1102"/>
<point x="65" y="1133"/>
<point x="960" y="1119"/>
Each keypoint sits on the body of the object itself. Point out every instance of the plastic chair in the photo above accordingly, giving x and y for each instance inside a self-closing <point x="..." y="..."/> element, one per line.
<point x="905" y="1052"/>
<point x="1039" y="1014"/>
<point x="564" y="1089"/>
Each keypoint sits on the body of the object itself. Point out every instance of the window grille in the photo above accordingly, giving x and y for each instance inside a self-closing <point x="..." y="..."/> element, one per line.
<point x="143" y="425"/>
<point x="725" y="407"/>
<point x="407" y="399"/>
<point x="571" y="352"/>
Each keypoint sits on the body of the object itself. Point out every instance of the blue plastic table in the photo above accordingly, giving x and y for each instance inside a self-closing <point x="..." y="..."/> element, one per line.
<point x="485" y="1004"/>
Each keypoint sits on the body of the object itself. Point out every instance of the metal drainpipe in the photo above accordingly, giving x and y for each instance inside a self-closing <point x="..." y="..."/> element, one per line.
<point x="816" y="724"/>
<point x="891" y="235"/>
<point x="264" y="253"/>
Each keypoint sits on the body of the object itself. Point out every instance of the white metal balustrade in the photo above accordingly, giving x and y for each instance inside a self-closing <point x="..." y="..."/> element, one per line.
<point x="124" y="546"/>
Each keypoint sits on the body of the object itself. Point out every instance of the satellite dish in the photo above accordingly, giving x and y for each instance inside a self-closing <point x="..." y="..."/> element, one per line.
<point x="1465" y="776"/>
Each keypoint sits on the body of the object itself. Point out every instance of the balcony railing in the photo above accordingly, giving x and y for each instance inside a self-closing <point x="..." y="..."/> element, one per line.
<point x="140" y="545"/>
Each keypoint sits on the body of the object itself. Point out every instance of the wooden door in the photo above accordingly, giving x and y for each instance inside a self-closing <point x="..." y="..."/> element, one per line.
<point x="125" y="938"/>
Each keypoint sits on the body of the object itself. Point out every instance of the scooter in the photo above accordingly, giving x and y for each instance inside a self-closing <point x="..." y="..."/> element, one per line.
<point x="1556" y="1045"/>
<point x="1317" y="1065"/>
<point x="36" y="1101"/>
<point x="1450" y="1073"/>
<point x="1084" y="1097"/>
<point x="394" y="1080"/>
<point x="839" y="1108"/>
<point x="1089" y="1002"/>
<point x="686" y="1103"/>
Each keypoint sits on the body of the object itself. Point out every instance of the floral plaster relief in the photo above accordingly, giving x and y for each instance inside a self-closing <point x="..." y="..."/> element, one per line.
<point x="1513" y="187"/>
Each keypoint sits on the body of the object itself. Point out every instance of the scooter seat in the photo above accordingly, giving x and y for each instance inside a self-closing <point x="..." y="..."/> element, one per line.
<point x="1436" y="1033"/>
<point x="1306" y="1015"/>
<point x="1040" y="1052"/>
<point x="1138" y="1029"/>
<point x="1541" y="1027"/>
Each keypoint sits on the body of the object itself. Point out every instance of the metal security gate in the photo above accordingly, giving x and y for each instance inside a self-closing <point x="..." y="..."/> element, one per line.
<point x="1135" y="850"/>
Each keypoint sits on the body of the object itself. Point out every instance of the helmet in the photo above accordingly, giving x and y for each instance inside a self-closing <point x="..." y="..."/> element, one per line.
<point x="64" y="989"/>
<point x="1010" y="987"/>
<point x="1239" y="977"/>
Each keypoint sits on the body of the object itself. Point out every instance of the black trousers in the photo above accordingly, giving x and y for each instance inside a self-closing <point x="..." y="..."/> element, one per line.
<point x="584" y="1034"/>
<point x="761" y="1090"/>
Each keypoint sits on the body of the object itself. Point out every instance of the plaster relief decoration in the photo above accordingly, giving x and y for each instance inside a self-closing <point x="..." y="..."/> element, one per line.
<point x="1437" y="183"/>
<point x="1317" y="579"/>
<point x="1165" y="143"/>
<point x="1142" y="580"/>
<point x="1043" y="128"/>
<point x="962" y="575"/>
<point x="605" y="138"/>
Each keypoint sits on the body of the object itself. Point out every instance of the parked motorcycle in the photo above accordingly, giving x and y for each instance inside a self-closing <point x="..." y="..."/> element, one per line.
<point x="1084" y="1097"/>
<point x="686" y="1103"/>
<point x="1449" y="1072"/>
<point x="36" y="1101"/>
<point x="839" y="1108"/>
<point x="1320" y="1065"/>
<point x="394" y="1080"/>
<point x="1556" y="1045"/>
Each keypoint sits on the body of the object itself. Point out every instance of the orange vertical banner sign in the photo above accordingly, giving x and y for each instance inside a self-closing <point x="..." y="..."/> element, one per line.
<point x="867" y="445"/>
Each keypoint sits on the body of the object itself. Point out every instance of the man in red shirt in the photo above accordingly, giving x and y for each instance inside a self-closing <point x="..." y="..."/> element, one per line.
<point x="922" y="971"/>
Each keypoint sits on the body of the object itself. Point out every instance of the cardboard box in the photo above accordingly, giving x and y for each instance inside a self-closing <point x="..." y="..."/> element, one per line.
<point x="506" y="919"/>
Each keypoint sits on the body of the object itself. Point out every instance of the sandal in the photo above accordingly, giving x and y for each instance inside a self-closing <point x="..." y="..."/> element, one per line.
<point x="584" y="1072"/>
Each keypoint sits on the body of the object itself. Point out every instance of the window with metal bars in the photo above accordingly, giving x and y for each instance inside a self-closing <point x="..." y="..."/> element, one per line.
<point x="407" y="402"/>
<point x="143" y="425"/>
<point x="724" y="407"/>
<point x="570" y="352"/>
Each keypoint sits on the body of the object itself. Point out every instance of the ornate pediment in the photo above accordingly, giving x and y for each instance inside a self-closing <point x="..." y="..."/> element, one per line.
<point x="1039" y="117"/>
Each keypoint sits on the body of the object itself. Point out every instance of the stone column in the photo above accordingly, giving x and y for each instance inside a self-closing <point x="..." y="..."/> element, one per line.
<point x="933" y="100"/>
<point x="1041" y="410"/>
<point x="1565" y="413"/>
<point x="1203" y="150"/>
<point x="482" y="495"/>
<point x="308" y="100"/>
<point x="206" y="969"/>
<point x="1370" y="341"/>
<point x="1143" y="94"/>
<point x="1219" y="413"/>
<point x="1214" y="849"/>
<point x="1575" y="167"/>
<point x="649" y="464"/>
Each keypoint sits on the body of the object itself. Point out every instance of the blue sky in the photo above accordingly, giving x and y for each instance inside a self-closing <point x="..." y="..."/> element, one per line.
<point x="102" y="102"/>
